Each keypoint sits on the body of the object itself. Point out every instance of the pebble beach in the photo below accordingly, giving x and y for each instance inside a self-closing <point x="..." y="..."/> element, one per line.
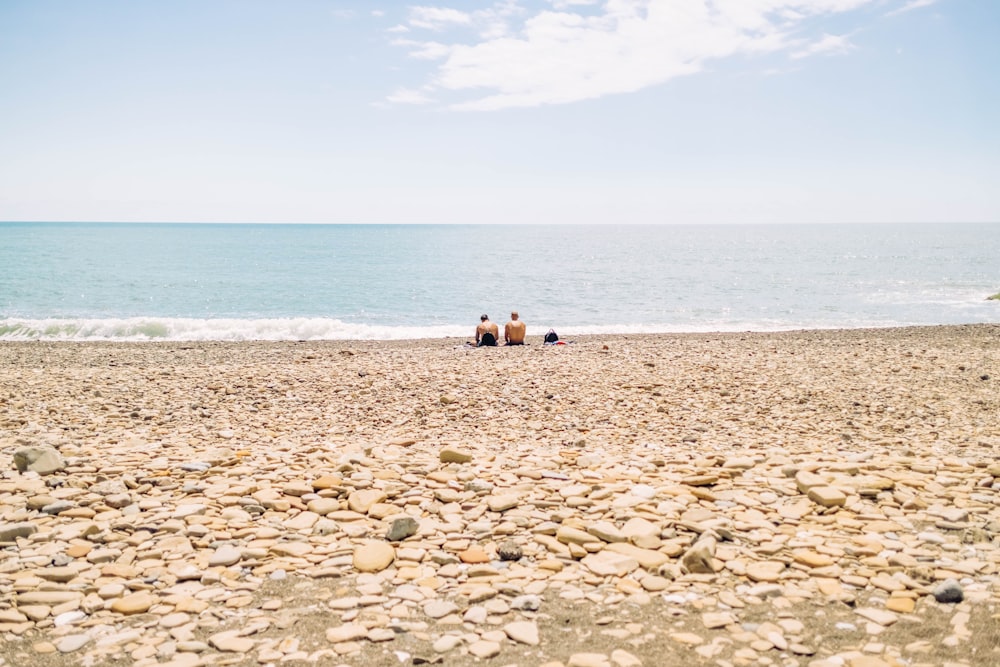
<point x="806" y="499"/>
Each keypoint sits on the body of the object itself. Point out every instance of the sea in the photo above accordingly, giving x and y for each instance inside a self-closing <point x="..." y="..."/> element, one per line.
<point x="87" y="281"/>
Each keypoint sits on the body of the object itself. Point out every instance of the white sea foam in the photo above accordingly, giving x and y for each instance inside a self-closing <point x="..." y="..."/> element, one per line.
<point x="139" y="329"/>
<point x="188" y="329"/>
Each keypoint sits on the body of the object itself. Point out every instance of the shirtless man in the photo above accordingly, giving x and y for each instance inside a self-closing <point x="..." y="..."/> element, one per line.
<point x="486" y="327"/>
<point x="513" y="333"/>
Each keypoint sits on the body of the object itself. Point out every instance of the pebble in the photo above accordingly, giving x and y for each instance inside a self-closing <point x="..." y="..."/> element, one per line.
<point x="401" y="528"/>
<point x="588" y="660"/>
<point x="72" y="643"/>
<point x="134" y="603"/>
<point x="43" y="460"/>
<point x="484" y="649"/>
<point x="373" y="556"/>
<point x="949" y="592"/>
<point x="525" y="632"/>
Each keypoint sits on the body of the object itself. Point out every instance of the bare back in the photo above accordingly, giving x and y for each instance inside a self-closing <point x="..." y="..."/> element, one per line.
<point x="487" y="326"/>
<point x="514" y="332"/>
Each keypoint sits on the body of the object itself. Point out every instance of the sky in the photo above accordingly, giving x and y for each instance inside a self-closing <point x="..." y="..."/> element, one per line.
<point x="500" y="111"/>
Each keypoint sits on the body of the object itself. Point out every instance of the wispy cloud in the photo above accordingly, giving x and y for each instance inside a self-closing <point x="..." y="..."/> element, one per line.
<point x="409" y="96"/>
<point x="571" y="50"/>
<point x="438" y="18"/>
<point x="910" y="6"/>
<point x="826" y="45"/>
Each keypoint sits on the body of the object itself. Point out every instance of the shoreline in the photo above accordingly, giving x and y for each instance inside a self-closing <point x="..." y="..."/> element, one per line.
<point x="798" y="498"/>
<point x="282" y="330"/>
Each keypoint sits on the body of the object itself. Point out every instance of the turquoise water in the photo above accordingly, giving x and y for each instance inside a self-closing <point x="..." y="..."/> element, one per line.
<point x="80" y="281"/>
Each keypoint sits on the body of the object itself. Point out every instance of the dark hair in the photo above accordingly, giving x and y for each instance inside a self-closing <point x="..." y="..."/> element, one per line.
<point x="484" y="317"/>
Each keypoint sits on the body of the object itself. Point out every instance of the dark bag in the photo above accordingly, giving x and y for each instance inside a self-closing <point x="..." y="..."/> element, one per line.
<point x="487" y="340"/>
<point x="551" y="337"/>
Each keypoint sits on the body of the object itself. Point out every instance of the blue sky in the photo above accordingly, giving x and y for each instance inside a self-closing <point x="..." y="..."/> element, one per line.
<point x="538" y="111"/>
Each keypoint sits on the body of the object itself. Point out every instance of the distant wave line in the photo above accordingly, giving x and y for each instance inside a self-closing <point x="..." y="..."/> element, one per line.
<point x="139" y="329"/>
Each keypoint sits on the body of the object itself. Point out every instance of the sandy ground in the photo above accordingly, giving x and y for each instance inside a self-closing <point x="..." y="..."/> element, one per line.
<point x="800" y="498"/>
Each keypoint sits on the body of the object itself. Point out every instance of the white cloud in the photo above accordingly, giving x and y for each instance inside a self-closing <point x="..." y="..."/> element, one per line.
<point x="424" y="50"/>
<point x="438" y="18"/>
<point x="828" y="44"/>
<point x="576" y="50"/>
<point x="409" y="96"/>
<point x="910" y="6"/>
<point x="378" y="13"/>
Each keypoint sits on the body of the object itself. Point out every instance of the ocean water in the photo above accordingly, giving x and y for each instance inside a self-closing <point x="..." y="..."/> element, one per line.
<point x="103" y="281"/>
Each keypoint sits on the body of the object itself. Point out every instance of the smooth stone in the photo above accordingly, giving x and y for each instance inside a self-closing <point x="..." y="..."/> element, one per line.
<point x="303" y="521"/>
<point x="588" y="660"/>
<point x="713" y="620"/>
<point x="225" y="556"/>
<point x="698" y="559"/>
<point x="58" y="507"/>
<point x="348" y="632"/>
<point x="525" y="632"/>
<point x="297" y="488"/>
<point x="638" y="528"/>
<point x="610" y="564"/>
<point x="526" y="603"/>
<point x="446" y="643"/>
<point x="11" y="531"/>
<point x="401" y="528"/>
<point x="323" y="506"/>
<point x="647" y="558"/>
<point x="293" y="549"/>
<point x="12" y="616"/>
<point x="701" y="480"/>
<point x="570" y="535"/>
<point x="118" y="500"/>
<point x="439" y="608"/>
<point x="606" y="532"/>
<point x="454" y="455"/>
<point x="510" y="550"/>
<point x="474" y="555"/>
<point x="373" y="556"/>
<point x="880" y="616"/>
<point x="47" y="597"/>
<point x="806" y="480"/>
<point x="71" y="643"/>
<point x="827" y="496"/>
<point x="43" y="460"/>
<point x="766" y="571"/>
<point x="69" y="618"/>
<point x="503" y="503"/>
<point x="191" y="509"/>
<point x="620" y="658"/>
<point x="362" y="501"/>
<point x="231" y="642"/>
<point x="812" y="559"/>
<point x="739" y="463"/>
<point x="949" y="591"/>
<point x="134" y="603"/>
<point x="484" y="649"/>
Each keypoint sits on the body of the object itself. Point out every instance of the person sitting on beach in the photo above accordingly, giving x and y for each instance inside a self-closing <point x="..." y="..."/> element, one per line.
<point x="513" y="332"/>
<point x="487" y="332"/>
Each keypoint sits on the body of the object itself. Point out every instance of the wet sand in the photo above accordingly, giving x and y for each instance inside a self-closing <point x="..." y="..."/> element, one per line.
<point x="804" y="498"/>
